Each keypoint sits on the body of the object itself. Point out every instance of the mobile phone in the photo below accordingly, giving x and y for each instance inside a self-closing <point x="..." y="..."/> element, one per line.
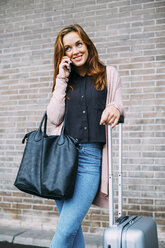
<point x="69" y="67"/>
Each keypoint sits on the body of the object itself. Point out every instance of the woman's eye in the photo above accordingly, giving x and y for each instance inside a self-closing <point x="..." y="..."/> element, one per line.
<point x="79" y="44"/>
<point x="67" y="49"/>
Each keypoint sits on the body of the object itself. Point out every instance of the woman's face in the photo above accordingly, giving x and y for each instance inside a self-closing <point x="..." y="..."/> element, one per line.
<point x="75" y="49"/>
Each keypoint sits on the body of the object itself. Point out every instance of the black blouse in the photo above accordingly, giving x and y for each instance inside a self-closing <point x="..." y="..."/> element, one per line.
<point x="84" y="106"/>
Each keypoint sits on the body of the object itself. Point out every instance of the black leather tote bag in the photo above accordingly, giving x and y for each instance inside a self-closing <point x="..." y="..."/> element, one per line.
<point x="49" y="165"/>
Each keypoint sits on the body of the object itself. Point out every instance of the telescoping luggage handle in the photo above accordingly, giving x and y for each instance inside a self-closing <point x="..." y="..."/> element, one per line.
<point x="111" y="188"/>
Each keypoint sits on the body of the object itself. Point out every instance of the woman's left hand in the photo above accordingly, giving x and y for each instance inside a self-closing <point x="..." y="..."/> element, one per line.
<point x="110" y="115"/>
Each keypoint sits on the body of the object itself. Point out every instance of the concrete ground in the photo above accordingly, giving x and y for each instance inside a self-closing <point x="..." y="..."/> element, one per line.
<point x="6" y="244"/>
<point x="11" y="237"/>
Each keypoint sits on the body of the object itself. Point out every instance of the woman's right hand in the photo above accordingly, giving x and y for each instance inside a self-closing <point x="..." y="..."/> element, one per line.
<point x="64" y="67"/>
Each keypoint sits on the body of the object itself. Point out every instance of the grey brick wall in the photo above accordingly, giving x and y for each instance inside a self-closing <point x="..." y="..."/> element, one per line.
<point x="130" y="35"/>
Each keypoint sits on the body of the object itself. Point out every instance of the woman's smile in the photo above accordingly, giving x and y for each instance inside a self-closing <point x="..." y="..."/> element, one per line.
<point x="78" y="58"/>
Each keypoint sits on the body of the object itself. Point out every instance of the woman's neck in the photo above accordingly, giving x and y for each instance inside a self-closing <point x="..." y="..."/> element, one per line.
<point x="81" y="70"/>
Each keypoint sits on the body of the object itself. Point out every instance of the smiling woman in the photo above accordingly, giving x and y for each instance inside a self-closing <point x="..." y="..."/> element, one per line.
<point x="88" y="94"/>
<point x="84" y="56"/>
<point x="77" y="51"/>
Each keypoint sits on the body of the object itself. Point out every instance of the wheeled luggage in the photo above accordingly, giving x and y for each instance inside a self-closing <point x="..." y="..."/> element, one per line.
<point x="127" y="231"/>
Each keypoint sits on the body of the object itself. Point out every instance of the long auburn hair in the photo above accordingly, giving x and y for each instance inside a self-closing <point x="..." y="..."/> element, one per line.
<point x="96" y="68"/>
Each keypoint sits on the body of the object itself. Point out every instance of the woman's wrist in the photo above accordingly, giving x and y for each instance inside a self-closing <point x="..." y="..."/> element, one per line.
<point x="62" y="77"/>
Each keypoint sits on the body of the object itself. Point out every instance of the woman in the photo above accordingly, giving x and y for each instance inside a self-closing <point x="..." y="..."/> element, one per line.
<point x="89" y="95"/>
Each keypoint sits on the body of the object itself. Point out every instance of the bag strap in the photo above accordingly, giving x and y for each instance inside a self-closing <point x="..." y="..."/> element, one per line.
<point x="38" y="135"/>
<point x="64" y="123"/>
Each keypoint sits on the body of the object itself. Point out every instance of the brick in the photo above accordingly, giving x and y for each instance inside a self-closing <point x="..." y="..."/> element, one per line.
<point x="140" y="201"/>
<point x="12" y="199"/>
<point x="4" y="205"/>
<point x="11" y="211"/>
<point x="91" y="224"/>
<point x="140" y="213"/>
<point x="160" y="21"/>
<point x="153" y="208"/>
<point x="160" y="202"/>
<point x="159" y="215"/>
<point x="5" y="193"/>
<point x="160" y="221"/>
<point x="20" y="194"/>
<point x="42" y="207"/>
<point x="160" y="57"/>
<point x="52" y="214"/>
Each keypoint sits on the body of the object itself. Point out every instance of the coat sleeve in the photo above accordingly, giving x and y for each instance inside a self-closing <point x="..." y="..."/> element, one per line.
<point x="56" y="106"/>
<point x="116" y="90"/>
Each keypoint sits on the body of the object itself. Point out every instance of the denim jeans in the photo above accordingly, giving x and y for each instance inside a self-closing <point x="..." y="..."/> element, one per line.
<point x="72" y="211"/>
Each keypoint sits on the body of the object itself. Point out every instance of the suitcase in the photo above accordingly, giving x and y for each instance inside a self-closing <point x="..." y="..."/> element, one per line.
<point x="127" y="231"/>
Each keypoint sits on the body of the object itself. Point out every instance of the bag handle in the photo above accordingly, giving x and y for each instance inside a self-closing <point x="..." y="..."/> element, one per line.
<point x="39" y="133"/>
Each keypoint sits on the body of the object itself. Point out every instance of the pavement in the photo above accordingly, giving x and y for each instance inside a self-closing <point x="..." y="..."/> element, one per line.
<point x="41" y="238"/>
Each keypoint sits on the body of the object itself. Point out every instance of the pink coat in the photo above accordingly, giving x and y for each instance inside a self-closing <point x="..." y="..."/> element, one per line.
<point x="56" y="110"/>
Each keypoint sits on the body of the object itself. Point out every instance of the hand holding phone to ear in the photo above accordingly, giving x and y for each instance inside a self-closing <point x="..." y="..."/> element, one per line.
<point x="65" y="67"/>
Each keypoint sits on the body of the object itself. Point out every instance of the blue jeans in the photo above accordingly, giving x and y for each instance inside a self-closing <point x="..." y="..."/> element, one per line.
<point x="72" y="211"/>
